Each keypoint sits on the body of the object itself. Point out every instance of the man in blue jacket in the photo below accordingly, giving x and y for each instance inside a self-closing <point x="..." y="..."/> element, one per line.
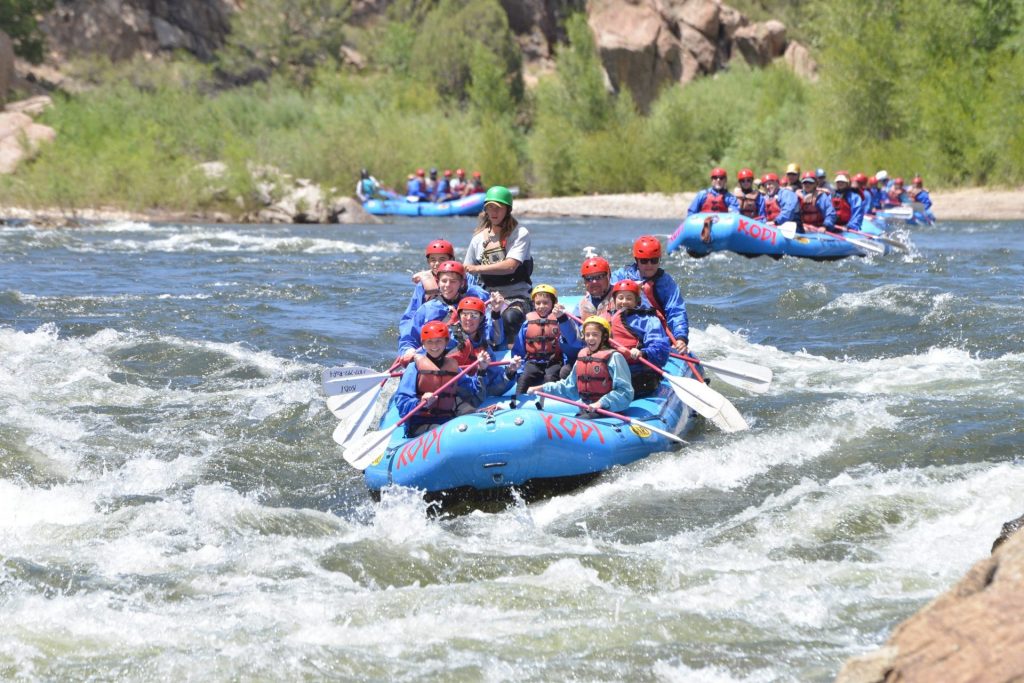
<point x="657" y="290"/>
<point x="715" y="199"/>
<point x="847" y="203"/>
<point x="816" y="211"/>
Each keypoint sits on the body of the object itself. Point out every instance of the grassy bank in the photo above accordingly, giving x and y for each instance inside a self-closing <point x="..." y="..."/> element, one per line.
<point x="134" y="140"/>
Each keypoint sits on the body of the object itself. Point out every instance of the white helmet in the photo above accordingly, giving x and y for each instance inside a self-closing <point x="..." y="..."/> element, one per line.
<point x="881" y="175"/>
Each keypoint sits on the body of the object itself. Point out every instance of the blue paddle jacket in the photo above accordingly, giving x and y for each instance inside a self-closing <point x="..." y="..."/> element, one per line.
<point x="730" y="201"/>
<point x="789" y="206"/>
<point x="670" y="298"/>
<point x="435" y="309"/>
<point x="852" y="198"/>
<point x="468" y="388"/>
<point x="645" y="325"/>
<point x="416" y="301"/>
<point x="417" y="188"/>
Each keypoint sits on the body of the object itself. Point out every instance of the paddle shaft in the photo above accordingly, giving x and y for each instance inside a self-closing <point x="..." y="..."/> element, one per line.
<point x="602" y="411"/>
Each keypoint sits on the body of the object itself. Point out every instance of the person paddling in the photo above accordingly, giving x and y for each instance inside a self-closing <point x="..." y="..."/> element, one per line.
<point x="917" y="193"/>
<point x="426" y="288"/>
<point x="638" y="333"/>
<point x="847" y="203"/>
<point x="499" y="254"/>
<point x="660" y="291"/>
<point x="780" y="203"/>
<point x="751" y="202"/>
<point x="545" y="340"/>
<point x="600" y="376"/>
<point x="432" y="367"/>
<point x="715" y="199"/>
<point x="816" y="211"/>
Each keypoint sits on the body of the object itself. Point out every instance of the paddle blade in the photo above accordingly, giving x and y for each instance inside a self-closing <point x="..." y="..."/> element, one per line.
<point x="708" y="403"/>
<point x="361" y="452"/>
<point x="753" y="378"/>
<point x="867" y="245"/>
<point x="356" y="418"/>
<point x="351" y="386"/>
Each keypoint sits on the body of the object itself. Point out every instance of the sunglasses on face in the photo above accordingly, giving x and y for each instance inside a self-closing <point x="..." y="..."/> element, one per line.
<point x="595" y="278"/>
<point x="646" y="261"/>
<point x="718" y="177"/>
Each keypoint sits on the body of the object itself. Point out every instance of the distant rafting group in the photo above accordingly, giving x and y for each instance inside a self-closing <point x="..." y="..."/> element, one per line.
<point x="808" y="199"/>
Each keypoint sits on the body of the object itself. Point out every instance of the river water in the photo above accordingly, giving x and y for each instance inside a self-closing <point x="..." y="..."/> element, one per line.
<point x="172" y="505"/>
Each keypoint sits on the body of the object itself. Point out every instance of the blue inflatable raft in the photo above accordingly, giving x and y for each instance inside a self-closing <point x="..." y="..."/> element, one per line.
<point x="704" y="233"/>
<point x="535" y="449"/>
<point x="399" y="206"/>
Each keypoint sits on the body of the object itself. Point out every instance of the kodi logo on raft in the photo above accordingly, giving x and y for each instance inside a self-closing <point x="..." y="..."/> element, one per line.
<point x="757" y="231"/>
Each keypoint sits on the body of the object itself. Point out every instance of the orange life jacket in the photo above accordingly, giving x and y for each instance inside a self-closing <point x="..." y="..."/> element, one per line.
<point x="542" y="337"/>
<point x="593" y="376"/>
<point x="748" y="203"/>
<point x="810" y="214"/>
<point x="771" y="207"/>
<point x="714" y="203"/>
<point x="624" y="337"/>
<point x="430" y="378"/>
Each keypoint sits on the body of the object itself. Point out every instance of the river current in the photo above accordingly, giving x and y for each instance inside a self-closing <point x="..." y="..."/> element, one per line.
<point x="172" y="505"/>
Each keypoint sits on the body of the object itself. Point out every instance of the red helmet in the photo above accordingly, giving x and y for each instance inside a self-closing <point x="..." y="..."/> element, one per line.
<point x="860" y="178"/>
<point x="440" y="247"/>
<point x="460" y="172"/>
<point x="419" y="171"/>
<point x="718" y="171"/>
<point x="451" y="267"/>
<point x="770" y="176"/>
<point x="447" y="173"/>
<point x="872" y="181"/>
<point x="471" y="303"/>
<point x="595" y="265"/>
<point x="626" y="286"/>
<point x="917" y="180"/>
<point x="745" y="174"/>
<point x="647" y="246"/>
<point x="476" y="174"/>
<point x="897" y="180"/>
<point x="435" y="329"/>
<point x="808" y="175"/>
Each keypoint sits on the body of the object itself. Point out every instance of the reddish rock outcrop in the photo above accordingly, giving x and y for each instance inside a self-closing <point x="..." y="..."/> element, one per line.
<point x="972" y="632"/>
<point x="6" y="66"/>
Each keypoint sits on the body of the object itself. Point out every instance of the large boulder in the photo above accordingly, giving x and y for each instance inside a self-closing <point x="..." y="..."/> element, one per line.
<point x="972" y="632"/>
<point x="761" y="43"/>
<point x="702" y="15"/>
<point x="122" y="28"/>
<point x="20" y="138"/>
<point x="6" y="66"/>
<point x="637" y="48"/>
<point x="798" y="58"/>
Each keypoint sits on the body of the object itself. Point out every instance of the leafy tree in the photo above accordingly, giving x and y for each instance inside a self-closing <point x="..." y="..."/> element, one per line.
<point x="293" y="36"/>
<point x="18" y="19"/>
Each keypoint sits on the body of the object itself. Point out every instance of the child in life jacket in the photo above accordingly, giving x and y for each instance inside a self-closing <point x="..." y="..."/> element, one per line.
<point x="544" y="340"/>
<point x="637" y="333"/>
<point x="426" y="288"/>
<point x="477" y="332"/>
<point x="600" y="376"/>
<point x="430" y="370"/>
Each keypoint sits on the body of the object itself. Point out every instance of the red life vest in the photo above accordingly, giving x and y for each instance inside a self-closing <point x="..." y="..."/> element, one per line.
<point x="810" y="214"/>
<point x="771" y="207"/>
<point x="431" y="378"/>
<point x="647" y="287"/>
<point x="593" y="376"/>
<point x="714" y="203"/>
<point x="895" y="196"/>
<point x="542" y="337"/>
<point x="624" y="337"/>
<point x="842" y="207"/>
<point x="748" y="204"/>
<point x="464" y="353"/>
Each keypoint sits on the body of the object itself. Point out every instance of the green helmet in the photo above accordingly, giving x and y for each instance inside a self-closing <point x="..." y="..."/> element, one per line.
<point x="499" y="194"/>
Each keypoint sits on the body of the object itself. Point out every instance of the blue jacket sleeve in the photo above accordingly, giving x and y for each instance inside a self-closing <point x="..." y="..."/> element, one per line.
<point x="427" y="312"/>
<point x="732" y="202"/>
<point x="762" y="208"/>
<point x="924" y="198"/>
<point x="655" y="342"/>
<point x="519" y="345"/>
<point x="624" y="273"/>
<point x="695" y="205"/>
<point x="824" y="202"/>
<point x="405" y="324"/>
<point x="856" y="211"/>
<point x="621" y="395"/>
<point x="473" y="288"/>
<point x="675" y="307"/>
<point x="789" y="207"/>
<point x="571" y="342"/>
<point x="405" y="396"/>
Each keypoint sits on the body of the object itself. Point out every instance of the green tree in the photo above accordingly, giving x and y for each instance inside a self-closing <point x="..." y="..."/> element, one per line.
<point x="18" y="19"/>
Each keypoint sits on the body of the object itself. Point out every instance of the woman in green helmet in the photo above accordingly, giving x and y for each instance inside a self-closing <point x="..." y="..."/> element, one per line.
<point x="499" y="256"/>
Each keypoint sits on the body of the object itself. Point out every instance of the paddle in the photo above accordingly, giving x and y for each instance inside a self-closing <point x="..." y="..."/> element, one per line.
<point x="788" y="230"/>
<point x="697" y="395"/>
<point x="330" y="376"/>
<point x="881" y="238"/>
<point x="749" y="376"/>
<point x="362" y="451"/>
<point x="602" y="411"/>
<point x="904" y="213"/>
<point x="344" y="391"/>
